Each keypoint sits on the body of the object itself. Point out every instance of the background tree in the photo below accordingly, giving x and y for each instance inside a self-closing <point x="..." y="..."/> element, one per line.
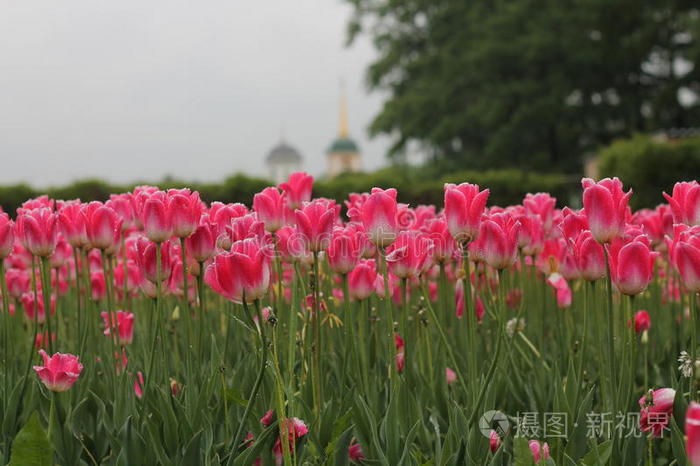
<point x="533" y="84"/>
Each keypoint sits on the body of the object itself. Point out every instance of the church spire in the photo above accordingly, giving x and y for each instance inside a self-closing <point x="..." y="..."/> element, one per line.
<point x="343" y="127"/>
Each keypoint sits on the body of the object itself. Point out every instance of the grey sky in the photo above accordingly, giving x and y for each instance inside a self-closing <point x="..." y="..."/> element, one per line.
<point x="134" y="89"/>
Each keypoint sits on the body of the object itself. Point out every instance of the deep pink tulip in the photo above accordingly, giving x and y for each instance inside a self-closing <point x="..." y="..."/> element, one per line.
<point x="147" y="260"/>
<point x="656" y="413"/>
<point x="444" y="245"/>
<point x="98" y="286"/>
<point x="201" y="245"/>
<point x="685" y="202"/>
<point x="572" y="223"/>
<point x="450" y="376"/>
<point x="410" y="255"/>
<point x="684" y="252"/>
<point x="530" y="234"/>
<point x="61" y="254"/>
<point x="185" y="211"/>
<point x="497" y="242"/>
<point x="606" y="207"/>
<point x="30" y="305"/>
<point x="73" y="223"/>
<point x="242" y="273"/>
<point x="541" y="205"/>
<point x="656" y="224"/>
<point x="59" y="372"/>
<point x="494" y="441"/>
<point x="157" y="217"/>
<point x="479" y="309"/>
<point x="295" y="429"/>
<point x="631" y="264"/>
<point x="138" y="385"/>
<point x="38" y="231"/>
<point x="642" y="321"/>
<point x="103" y="226"/>
<point x="692" y="432"/>
<point x="561" y="289"/>
<point x="125" y="324"/>
<point x="292" y="246"/>
<point x="297" y="189"/>
<point x="540" y="451"/>
<point x="18" y="282"/>
<point x="378" y="215"/>
<point x="344" y="250"/>
<point x="590" y="257"/>
<point x="362" y="280"/>
<point x="355" y="452"/>
<point x="315" y="222"/>
<point x="271" y="207"/>
<point x="123" y="205"/>
<point x="7" y="235"/>
<point x="133" y="276"/>
<point x="464" y="206"/>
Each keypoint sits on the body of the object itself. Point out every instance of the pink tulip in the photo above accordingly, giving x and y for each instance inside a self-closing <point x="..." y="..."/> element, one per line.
<point x="530" y="235"/>
<point x="98" y="286"/>
<point x="201" y="244"/>
<point x="61" y="255"/>
<point x="268" y="418"/>
<point x="271" y="208"/>
<point x="684" y="252"/>
<point x="7" y="235"/>
<point x="344" y="250"/>
<point x="561" y="289"/>
<point x="185" y="211"/>
<point x="59" y="372"/>
<point x="297" y="189"/>
<point x="410" y="255"/>
<point x="38" y="231"/>
<point x="539" y="451"/>
<point x="103" y="226"/>
<point x="444" y="245"/>
<point x="355" y="453"/>
<point x="494" y="441"/>
<point x="315" y="222"/>
<point x="292" y="246"/>
<point x="450" y="376"/>
<point x="156" y="217"/>
<point x="378" y="215"/>
<point x="572" y="223"/>
<point x="656" y="412"/>
<point x="497" y="242"/>
<point x="295" y="429"/>
<point x="541" y="205"/>
<point x="656" y="223"/>
<point x="18" y="282"/>
<point x="123" y="205"/>
<point x="147" y="260"/>
<point x="479" y="309"/>
<point x="692" y="432"/>
<point x="685" y="203"/>
<point x="138" y="385"/>
<point x="244" y="272"/>
<point x="362" y="280"/>
<point x="606" y="207"/>
<point x="73" y="224"/>
<point x="31" y="305"/>
<point x="124" y="323"/>
<point x="642" y="321"/>
<point x="464" y="206"/>
<point x="589" y="256"/>
<point x="631" y="264"/>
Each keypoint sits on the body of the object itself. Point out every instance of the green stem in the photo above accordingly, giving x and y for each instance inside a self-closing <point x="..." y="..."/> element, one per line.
<point x="46" y="294"/>
<point x="316" y="346"/>
<point x="611" y="334"/>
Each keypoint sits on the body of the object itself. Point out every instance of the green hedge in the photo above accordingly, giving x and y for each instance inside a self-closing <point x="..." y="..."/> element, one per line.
<point x="415" y="185"/>
<point x="650" y="167"/>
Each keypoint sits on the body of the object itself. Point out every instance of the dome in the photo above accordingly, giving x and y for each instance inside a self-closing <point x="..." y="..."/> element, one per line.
<point x="283" y="153"/>
<point x="343" y="145"/>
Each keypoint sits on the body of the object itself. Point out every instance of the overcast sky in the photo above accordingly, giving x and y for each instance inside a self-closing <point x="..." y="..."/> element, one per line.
<point x="134" y="90"/>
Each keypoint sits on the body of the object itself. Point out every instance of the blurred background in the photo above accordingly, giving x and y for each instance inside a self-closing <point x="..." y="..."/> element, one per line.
<point x="228" y="97"/>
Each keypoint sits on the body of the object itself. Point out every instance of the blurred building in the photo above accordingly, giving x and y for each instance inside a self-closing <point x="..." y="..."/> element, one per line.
<point x="282" y="161"/>
<point x="343" y="154"/>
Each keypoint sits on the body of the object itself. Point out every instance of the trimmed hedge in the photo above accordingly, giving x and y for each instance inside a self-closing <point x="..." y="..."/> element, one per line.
<point x="415" y="186"/>
<point x="650" y="167"/>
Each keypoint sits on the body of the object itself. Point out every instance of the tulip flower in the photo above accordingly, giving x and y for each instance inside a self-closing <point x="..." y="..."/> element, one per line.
<point x="494" y="441"/>
<point x="201" y="244"/>
<point x="497" y="242"/>
<point x="530" y="235"/>
<point x="38" y="231"/>
<point x="450" y="376"/>
<point x="103" y="226"/>
<point x="31" y="305"/>
<point x="72" y="221"/>
<point x="297" y="189"/>
<point x="18" y="282"/>
<point x="315" y="222"/>
<point x="410" y="255"/>
<point x="292" y="246"/>
<point x="138" y="385"/>
<point x="684" y="252"/>
<point x="631" y="264"/>
<point x="61" y="254"/>
<point x="243" y="272"/>
<point x="185" y="211"/>
<point x="606" y="207"/>
<point x="541" y="205"/>
<point x="98" y="286"/>
<point x="355" y="453"/>
<point x="656" y="410"/>
<point x="123" y="205"/>
<point x="362" y="280"/>
<point x="59" y="372"/>
<point x="540" y="451"/>
<point x="147" y="260"/>
<point x="444" y="245"/>
<point x="479" y="309"/>
<point x="642" y="321"/>
<point x="268" y="418"/>
<point x="589" y="256"/>
<point x="296" y="429"/>
<point x="562" y="290"/>
<point x="7" y="235"/>
<point x="464" y="206"/>
<point x="271" y="208"/>
<point x="124" y="323"/>
<point x="685" y="203"/>
<point x="157" y="217"/>
<point x="692" y="432"/>
<point x="344" y="250"/>
<point x="378" y="215"/>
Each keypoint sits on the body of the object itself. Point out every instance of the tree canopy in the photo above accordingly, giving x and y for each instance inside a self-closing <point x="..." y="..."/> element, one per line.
<point x="534" y="84"/>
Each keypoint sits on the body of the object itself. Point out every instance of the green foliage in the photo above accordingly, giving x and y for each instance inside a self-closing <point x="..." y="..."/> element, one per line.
<point x="31" y="447"/>
<point x="527" y="83"/>
<point x="650" y="167"/>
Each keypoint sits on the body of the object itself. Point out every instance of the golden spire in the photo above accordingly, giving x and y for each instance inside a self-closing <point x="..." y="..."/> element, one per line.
<point x="343" y="129"/>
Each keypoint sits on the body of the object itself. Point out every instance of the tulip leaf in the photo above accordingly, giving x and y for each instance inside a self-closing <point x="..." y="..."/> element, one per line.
<point x="31" y="446"/>
<point x="521" y="450"/>
<point x="599" y="454"/>
<point x="677" y="442"/>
